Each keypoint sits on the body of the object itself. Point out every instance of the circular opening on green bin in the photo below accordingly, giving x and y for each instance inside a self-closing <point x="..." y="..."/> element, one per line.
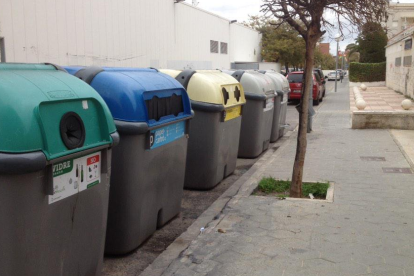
<point x="72" y="130"/>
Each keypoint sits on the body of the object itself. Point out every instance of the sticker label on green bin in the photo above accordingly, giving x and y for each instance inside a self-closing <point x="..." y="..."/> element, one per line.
<point x="167" y="134"/>
<point x="75" y="175"/>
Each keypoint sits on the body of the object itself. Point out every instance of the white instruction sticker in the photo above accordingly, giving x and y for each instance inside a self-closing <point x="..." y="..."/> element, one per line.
<point x="75" y="175"/>
<point x="85" y="105"/>
<point x="270" y="103"/>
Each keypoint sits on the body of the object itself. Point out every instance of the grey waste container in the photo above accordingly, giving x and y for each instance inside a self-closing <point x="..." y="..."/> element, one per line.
<point x="151" y="112"/>
<point x="283" y="110"/>
<point x="258" y="112"/>
<point x="217" y="100"/>
<point x="285" y="89"/>
<point x="278" y="86"/>
<point x="55" y="162"/>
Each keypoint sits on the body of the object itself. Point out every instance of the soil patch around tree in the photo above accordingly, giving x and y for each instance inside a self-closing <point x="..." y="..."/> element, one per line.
<point x="269" y="186"/>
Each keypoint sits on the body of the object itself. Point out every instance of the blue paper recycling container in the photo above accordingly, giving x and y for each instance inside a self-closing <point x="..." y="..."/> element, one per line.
<point x="151" y="112"/>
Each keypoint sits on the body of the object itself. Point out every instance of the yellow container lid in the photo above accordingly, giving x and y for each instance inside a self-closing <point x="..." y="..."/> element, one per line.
<point x="213" y="87"/>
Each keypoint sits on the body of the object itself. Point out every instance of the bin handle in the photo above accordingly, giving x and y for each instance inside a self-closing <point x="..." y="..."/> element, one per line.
<point x="238" y="75"/>
<point x="115" y="139"/>
<point x="57" y="67"/>
<point x="255" y="97"/>
<point x="280" y="93"/>
<point x="87" y="74"/>
<point x="136" y="128"/>
<point x="184" y="77"/>
<point x="22" y="163"/>
<point x="208" y="107"/>
<point x="131" y="128"/>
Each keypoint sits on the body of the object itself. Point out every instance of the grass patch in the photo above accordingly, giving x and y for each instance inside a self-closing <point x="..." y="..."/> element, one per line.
<point x="280" y="188"/>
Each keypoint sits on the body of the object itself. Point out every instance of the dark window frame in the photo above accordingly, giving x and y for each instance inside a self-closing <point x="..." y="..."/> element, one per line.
<point x="398" y="62"/>
<point x="408" y="61"/>
<point x="2" y="50"/>
<point x="214" y="47"/>
<point x="408" y="44"/>
<point x="226" y="46"/>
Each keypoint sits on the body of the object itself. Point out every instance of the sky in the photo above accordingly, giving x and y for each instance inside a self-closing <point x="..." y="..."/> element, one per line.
<point x="241" y="9"/>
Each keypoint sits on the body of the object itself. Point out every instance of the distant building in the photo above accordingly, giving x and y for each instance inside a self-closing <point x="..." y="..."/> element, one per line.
<point x="400" y="17"/>
<point x="400" y="70"/>
<point x="325" y="48"/>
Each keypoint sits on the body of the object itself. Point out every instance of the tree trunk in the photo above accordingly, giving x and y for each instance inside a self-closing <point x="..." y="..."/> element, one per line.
<point x="287" y="68"/>
<point x="297" y="175"/>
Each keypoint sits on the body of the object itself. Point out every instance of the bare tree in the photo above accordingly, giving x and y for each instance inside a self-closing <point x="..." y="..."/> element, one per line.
<point x="313" y="19"/>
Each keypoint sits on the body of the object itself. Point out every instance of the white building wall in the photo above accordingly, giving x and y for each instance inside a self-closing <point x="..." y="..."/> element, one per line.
<point x="135" y="33"/>
<point x="245" y="44"/>
<point x="400" y="78"/>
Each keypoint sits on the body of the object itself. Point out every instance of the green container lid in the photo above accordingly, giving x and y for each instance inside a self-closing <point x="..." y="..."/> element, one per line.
<point x="43" y="109"/>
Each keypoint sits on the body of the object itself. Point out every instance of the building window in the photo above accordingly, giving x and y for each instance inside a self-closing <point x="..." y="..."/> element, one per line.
<point x="223" y="48"/>
<point x="408" y="60"/>
<point x="2" y="50"/>
<point x="408" y="44"/>
<point x="214" y="46"/>
<point x="398" y="62"/>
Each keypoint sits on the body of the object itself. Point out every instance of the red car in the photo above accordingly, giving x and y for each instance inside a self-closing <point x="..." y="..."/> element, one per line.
<point x="295" y="82"/>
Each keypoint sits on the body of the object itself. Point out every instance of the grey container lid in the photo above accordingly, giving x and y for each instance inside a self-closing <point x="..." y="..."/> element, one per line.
<point x="255" y="82"/>
<point x="283" y="83"/>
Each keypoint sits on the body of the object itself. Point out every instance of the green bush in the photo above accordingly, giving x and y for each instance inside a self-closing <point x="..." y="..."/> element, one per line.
<point x="367" y="72"/>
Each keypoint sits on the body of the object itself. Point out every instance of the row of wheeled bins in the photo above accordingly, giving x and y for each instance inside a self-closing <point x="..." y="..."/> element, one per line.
<point x="93" y="160"/>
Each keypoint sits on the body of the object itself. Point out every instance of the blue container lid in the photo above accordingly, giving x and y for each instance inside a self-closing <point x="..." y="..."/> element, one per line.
<point x="140" y="95"/>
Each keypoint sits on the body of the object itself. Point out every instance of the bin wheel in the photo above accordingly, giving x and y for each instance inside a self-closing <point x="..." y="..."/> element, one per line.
<point x="316" y="102"/>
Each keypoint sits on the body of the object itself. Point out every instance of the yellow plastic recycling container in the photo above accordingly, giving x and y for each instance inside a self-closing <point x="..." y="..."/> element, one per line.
<point x="217" y="100"/>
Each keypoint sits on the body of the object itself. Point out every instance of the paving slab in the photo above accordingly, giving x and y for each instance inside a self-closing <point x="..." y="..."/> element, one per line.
<point x="367" y="230"/>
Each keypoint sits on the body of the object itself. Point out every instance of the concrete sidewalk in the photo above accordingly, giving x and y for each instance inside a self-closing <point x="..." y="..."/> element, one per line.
<point x="368" y="230"/>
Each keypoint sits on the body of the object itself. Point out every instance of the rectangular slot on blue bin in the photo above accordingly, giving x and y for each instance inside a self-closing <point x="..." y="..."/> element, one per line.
<point x="162" y="107"/>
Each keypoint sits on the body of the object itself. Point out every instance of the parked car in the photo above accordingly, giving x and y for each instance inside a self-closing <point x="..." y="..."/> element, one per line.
<point x="333" y="75"/>
<point x="295" y="81"/>
<point x="321" y="80"/>
<point x="320" y="73"/>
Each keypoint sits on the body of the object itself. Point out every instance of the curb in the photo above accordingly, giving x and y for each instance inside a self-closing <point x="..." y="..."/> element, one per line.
<point x="401" y="147"/>
<point x="243" y="187"/>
